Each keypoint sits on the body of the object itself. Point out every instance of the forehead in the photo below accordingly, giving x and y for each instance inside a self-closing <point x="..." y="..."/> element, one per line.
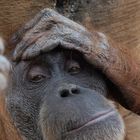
<point x="59" y="55"/>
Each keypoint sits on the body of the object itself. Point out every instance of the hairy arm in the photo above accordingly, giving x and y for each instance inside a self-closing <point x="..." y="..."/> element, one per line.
<point x="122" y="67"/>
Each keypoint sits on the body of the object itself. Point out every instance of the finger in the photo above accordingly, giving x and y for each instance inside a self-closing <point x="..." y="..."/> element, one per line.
<point x="73" y="39"/>
<point x="45" y="44"/>
<point x="1" y="46"/>
<point x="3" y="82"/>
<point x="4" y="65"/>
<point x="31" y="37"/>
<point x="24" y="44"/>
<point x="45" y="13"/>
<point x="36" y="49"/>
<point x="20" y="33"/>
<point x="45" y="21"/>
<point x="39" y="22"/>
<point x="31" y="53"/>
<point x="4" y="71"/>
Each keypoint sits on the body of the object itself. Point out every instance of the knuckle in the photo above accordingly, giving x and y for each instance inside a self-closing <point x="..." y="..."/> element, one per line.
<point x="3" y="81"/>
<point x="47" y="11"/>
<point x="50" y="15"/>
<point x="1" y="46"/>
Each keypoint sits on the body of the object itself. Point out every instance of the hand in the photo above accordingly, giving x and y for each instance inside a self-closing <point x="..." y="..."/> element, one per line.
<point x="49" y="30"/>
<point x="4" y="67"/>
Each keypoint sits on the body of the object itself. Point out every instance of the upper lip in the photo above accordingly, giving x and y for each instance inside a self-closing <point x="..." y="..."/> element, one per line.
<point x="97" y="117"/>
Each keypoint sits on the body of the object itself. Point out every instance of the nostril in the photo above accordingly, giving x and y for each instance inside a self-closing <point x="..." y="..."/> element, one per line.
<point x="64" y="93"/>
<point x="75" y="91"/>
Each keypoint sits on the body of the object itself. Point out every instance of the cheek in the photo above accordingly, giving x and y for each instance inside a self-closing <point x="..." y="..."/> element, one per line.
<point x="21" y="101"/>
<point x="25" y="114"/>
<point x="100" y="87"/>
<point x="93" y="81"/>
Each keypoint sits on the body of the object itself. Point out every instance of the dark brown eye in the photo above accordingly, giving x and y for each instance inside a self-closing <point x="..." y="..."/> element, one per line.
<point x="73" y="67"/>
<point x="37" y="74"/>
<point x="74" y="70"/>
<point x="37" y="78"/>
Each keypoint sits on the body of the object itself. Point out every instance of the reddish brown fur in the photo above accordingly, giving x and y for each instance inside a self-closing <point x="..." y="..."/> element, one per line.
<point x="128" y="35"/>
<point x="132" y="123"/>
<point x="7" y="129"/>
<point x="124" y="72"/>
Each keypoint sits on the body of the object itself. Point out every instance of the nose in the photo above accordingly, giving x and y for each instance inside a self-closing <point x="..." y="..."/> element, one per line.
<point x="68" y="90"/>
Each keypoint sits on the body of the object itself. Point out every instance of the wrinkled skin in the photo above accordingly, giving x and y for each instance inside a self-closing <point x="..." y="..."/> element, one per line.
<point x="59" y="95"/>
<point x="49" y="30"/>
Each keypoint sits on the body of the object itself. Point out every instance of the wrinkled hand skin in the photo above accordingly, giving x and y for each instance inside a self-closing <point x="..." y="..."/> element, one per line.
<point x="4" y="67"/>
<point x="49" y="30"/>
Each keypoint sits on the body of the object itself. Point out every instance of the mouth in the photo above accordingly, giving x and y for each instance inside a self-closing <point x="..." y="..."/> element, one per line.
<point x="96" y="118"/>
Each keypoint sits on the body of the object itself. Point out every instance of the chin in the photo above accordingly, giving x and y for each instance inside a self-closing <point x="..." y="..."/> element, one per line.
<point x="105" y="128"/>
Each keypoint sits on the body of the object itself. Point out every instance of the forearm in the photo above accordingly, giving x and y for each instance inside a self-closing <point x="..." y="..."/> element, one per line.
<point x="123" y="70"/>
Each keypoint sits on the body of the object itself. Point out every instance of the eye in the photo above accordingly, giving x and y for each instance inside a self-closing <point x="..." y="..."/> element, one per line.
<point x="37" y="78"/>
<point x="73" y="67"/>
<point x="37" y="74"/>
<point x="74" y="70"/>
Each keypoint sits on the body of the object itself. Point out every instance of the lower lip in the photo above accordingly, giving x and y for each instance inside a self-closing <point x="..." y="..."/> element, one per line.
<point x="97" y="118"/>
